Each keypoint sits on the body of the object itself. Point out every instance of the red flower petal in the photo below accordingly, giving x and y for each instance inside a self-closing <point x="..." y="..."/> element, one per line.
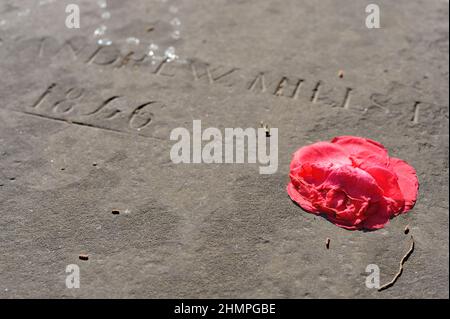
<point x="299" y="199"/>
<point x="362" y="151"/>
<point x="321" y="153"/>
<point x="355" y="182"/>
<point x="388" y="182"/>
<point x="407" y="180"/>
<point x="352" y="181"/>
<point x="314" y="174"/>
<point x="378" y="216"/>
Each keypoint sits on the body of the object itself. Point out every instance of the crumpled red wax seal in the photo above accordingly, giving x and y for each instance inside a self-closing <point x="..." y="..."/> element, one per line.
<point x="352" y="181"/>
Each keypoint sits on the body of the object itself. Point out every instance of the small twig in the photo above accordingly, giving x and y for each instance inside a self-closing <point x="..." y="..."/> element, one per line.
<point x="83" y="256"/>
<point x="266" y="128"/>
<point x="406" y="231"/>
<point x="327" y="243"/>
<point x="397" y="275"/>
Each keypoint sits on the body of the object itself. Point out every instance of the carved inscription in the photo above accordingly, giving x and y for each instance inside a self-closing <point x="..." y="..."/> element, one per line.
<point x="280" y="86"/>
<point x="74" y="105"/>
